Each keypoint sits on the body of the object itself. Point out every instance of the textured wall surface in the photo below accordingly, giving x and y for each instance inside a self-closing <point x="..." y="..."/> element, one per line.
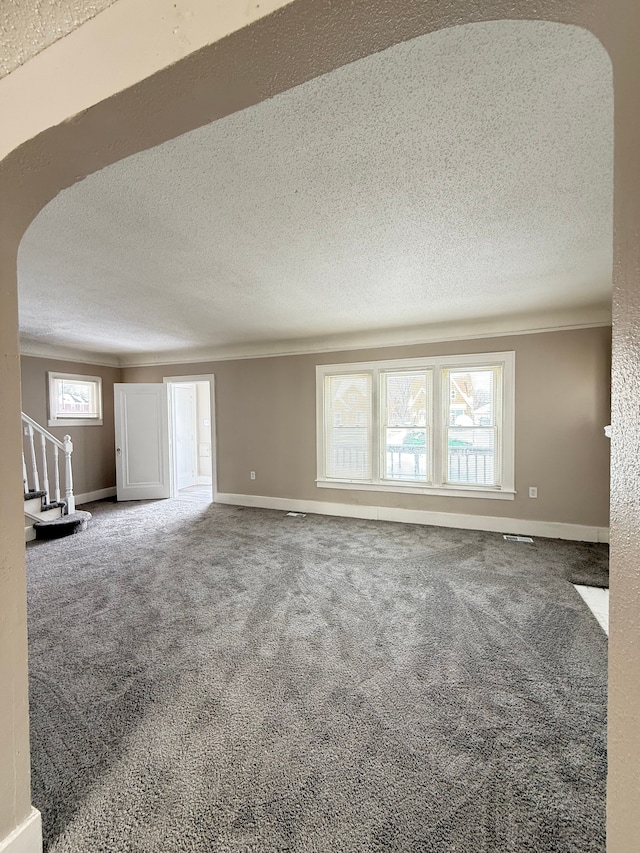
<point x="29" y="26"/>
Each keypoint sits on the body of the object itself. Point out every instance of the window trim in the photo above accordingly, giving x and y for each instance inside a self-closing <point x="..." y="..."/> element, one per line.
<point x="506" y="491"/>
<point x="52" y="378"/>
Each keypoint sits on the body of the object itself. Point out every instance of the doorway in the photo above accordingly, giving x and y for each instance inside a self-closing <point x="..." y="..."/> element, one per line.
<point x="192" y="437"/>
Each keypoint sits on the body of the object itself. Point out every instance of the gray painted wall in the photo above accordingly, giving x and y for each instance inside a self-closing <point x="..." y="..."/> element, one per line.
<point x="266" y="422"/>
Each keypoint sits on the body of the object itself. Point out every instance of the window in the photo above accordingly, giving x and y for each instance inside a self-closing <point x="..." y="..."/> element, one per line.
<point x="74" y="400"/>
<point x="347" y="426"/>
<point x="432" y="426"/>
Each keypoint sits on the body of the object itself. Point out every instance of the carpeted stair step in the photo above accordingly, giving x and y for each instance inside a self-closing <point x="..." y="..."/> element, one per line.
<point x="34" y="493"/>
<point x="56" y="528"/>
<point x="54" y="505"/>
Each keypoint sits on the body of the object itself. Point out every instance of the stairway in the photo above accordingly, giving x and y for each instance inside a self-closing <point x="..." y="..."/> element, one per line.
<point x="45" y="518"/>
<point x="48" y="520"/>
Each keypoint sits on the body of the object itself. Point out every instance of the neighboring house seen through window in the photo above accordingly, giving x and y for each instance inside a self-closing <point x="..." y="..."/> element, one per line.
<point x="433" y="426"/>
<point x="74" y="400"/>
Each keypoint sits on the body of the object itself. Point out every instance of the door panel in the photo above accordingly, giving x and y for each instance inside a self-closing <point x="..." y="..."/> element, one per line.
<point x="142" y="441"/>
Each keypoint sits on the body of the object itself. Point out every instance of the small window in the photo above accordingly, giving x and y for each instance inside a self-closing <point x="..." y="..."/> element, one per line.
<point x="75" y="400"/>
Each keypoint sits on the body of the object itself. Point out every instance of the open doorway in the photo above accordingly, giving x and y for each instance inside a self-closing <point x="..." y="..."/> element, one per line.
<point x="192" y="437"/>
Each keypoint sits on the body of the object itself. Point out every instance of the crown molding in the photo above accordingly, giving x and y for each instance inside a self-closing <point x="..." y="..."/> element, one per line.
<point x="37" y="349"/>
<point x="527" y="324"/>
<point x="592" y="317"/>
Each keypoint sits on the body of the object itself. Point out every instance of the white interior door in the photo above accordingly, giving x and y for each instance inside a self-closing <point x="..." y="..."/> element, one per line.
<point x="142" y="441"/>
<point x="184" y="422"/>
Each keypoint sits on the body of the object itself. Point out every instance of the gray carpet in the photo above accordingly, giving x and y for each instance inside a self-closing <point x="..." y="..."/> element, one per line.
<point x="208" y="678"/>
<point x="591" y="575"/>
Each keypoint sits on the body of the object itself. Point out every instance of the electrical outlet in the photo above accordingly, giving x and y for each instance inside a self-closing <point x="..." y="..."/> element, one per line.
<point x="252" y="474"/>
<point x="533" y="491"/>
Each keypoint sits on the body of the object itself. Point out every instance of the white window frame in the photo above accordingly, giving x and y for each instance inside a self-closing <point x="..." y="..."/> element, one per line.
<point x="64" y="420"/>
<point x="506" y="461"/>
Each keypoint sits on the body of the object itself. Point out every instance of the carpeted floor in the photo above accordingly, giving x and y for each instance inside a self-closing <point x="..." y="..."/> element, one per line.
<point x="210" y="678"/>
<point x="596" y="575"/>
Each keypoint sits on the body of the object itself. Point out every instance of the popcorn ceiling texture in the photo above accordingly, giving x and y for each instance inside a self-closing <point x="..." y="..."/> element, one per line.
<point x="464" y="174"/>
<point x="28" y="26"/>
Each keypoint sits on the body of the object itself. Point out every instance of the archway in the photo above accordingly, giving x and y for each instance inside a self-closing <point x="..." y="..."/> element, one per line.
<point x="166" y="87"/>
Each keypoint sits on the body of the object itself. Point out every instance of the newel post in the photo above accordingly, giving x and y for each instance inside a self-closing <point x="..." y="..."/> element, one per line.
<point x="67" y="447"/>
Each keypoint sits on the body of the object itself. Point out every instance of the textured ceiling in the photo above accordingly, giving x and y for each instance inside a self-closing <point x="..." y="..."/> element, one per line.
<point x="28" y="26"/>
<point x="465" y="174"/>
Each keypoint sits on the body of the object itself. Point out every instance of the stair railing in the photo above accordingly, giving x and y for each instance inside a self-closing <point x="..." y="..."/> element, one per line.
<point x="41" y="483"/>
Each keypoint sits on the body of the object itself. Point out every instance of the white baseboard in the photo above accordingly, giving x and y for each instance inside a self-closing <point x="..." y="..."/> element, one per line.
<point x="98" y="495"/>
<point x="496" y="524"/>
<point x="26" y="838"/>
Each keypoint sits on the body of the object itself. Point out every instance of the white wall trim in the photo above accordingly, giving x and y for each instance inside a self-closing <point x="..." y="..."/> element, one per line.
<point x="441" y="333"/>
<point x="26" y="838"/>
<point x="98" y="495"/>
<point x="497" y="524"/>
<point x="566" y="321"/>
<point x="62" y="353"/>
<point x="402" y="487"/>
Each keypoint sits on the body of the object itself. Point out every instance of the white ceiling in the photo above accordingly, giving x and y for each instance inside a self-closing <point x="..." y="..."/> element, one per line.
<point x="462" y="177"/>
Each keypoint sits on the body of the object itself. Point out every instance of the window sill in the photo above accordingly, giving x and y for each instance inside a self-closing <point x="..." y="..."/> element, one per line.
<point x="405" y="488"/>
<point x="67" y="422"/>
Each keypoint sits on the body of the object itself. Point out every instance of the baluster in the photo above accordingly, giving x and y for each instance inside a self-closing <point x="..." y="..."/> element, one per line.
<point x="68" y="474"/>
<point x="45" y="468"/>
<point x="34" y="464"/>
<point x="56" y="472"/>
<point x="25" y="479"/>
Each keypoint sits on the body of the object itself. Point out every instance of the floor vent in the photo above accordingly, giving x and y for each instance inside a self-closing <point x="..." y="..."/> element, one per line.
<point x="510" y="538"/>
